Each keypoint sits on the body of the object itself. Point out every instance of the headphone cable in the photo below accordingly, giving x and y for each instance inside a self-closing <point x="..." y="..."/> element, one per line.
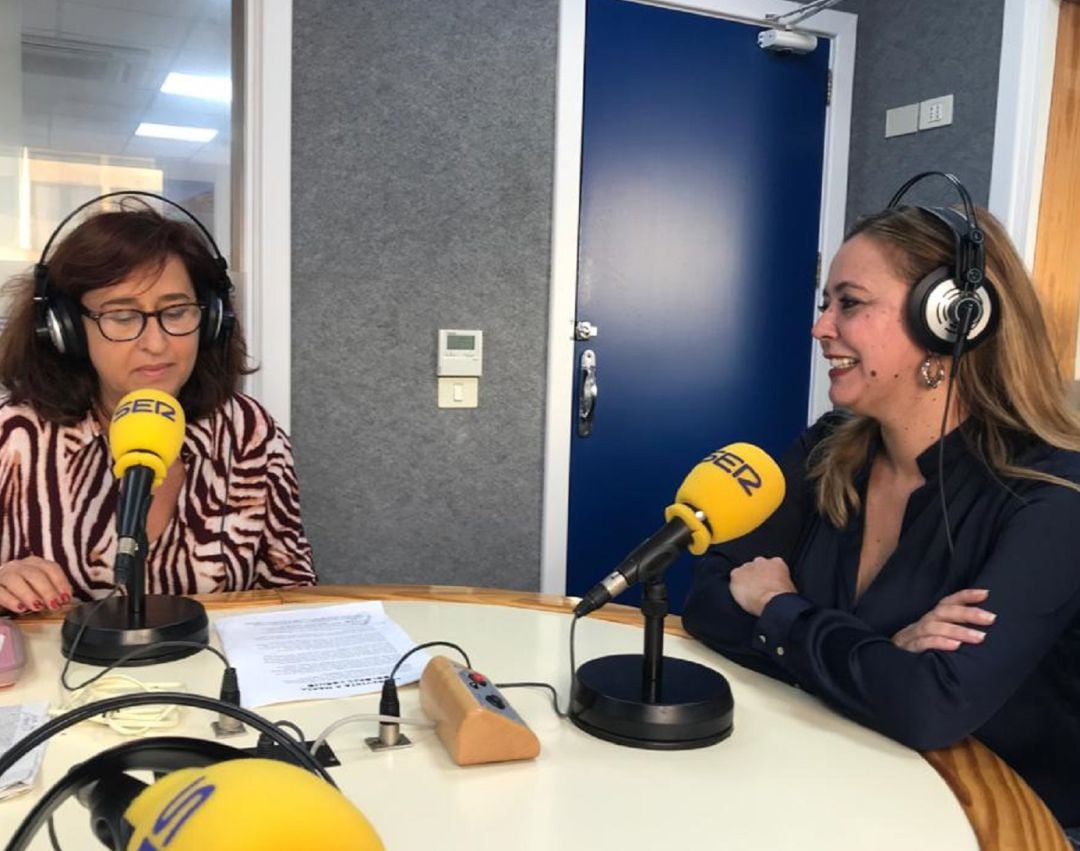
<point x="941" y="462"/>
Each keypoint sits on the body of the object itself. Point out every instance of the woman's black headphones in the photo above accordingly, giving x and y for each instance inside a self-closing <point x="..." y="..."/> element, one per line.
<point x="953" y="308"/>
<point x="58" y="320"/>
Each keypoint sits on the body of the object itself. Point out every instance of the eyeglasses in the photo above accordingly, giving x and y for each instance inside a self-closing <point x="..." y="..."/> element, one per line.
<point x="121" y="326"/>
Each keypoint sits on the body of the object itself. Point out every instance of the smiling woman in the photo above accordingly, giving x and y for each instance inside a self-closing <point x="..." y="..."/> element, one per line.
<point x="131" y="300"/>
<point x="921" y="574"/>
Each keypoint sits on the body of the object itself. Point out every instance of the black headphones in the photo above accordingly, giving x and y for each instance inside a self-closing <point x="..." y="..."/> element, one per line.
<point x="953" y="308"/>
<point x="58" y="319"/>
<point x="101" y="784"/>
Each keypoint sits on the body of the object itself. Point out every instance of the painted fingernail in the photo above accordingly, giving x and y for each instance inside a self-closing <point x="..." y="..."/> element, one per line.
<point x="36" y="604"/>
<point x="976" y="635"/>
<point x="20" y="608"/>
<point x="65" y="598"/>
<point x="54" y="604"/>
<point x="989" y="617"/>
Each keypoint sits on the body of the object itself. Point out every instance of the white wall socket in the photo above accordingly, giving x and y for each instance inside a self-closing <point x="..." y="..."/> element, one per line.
<point x="936" y="112"/>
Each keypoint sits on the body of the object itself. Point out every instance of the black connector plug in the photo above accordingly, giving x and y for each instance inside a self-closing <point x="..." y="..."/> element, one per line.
<point x="389" y="733"/>
<point x="226" y="725"/>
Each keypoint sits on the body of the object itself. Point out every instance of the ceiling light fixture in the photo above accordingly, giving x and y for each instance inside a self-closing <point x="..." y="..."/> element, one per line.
<point x="204" y="87"/>
<point x="175" y="131"/>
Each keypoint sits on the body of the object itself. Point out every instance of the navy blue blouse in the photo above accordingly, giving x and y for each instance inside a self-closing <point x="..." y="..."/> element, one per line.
<point x="1018" y="691"/>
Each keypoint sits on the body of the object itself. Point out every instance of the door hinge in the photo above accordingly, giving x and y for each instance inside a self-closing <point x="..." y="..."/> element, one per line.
<point x="828" y="90"/>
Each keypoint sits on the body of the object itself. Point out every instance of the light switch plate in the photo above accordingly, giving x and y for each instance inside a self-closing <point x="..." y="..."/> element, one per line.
<point x="902" y="120"/>
<point x="459" y="392"/>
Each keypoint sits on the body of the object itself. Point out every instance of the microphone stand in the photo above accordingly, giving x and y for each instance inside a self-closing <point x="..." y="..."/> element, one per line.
<point x="647" y="700"/>
<point x="102" y="632"/>
<point x="654" y="606"/>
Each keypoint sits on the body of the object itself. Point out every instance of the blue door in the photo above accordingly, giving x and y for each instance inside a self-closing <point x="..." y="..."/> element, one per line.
<point x="700" y="199"/>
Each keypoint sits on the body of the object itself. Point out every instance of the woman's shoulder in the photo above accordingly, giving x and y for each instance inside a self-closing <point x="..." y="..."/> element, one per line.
<point x="10" y="411"/>
<point x="1064" y="463"/>
<point x="250" y="420"/>
<point x="24" y="416"/>
<point x="21" y="419"/>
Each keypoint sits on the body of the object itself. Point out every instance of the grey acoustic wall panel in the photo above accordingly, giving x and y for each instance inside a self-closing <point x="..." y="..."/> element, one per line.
<point x="909" y="51"/>
<point x="423" y="141"/>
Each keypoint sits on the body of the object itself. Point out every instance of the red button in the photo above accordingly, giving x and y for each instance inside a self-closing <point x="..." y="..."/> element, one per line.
<point x="477" y="678"/>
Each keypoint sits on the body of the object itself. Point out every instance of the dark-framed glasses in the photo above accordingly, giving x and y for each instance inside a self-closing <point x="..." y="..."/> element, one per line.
<point x="121" y="326"/>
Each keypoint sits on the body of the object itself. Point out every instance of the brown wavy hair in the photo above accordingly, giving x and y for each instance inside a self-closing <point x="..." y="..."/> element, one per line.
<point x="1009" y="386"/>
<point x="104" y="250"/>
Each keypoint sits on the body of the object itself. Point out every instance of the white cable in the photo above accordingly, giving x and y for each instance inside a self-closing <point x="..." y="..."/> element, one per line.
<point x="134" y="720"/>
<point x="788" y="19"/>
<point x="368" y="716"/>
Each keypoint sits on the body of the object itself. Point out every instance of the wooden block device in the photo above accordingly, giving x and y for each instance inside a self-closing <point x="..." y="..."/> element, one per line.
<point x="473" y="719"/>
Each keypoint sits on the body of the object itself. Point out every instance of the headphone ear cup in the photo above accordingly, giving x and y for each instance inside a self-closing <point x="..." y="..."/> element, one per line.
<point x="64" y="326"/>
<point x="931" y="315"/>
<point x="210" y="329"/>
<point x="218" y="317"/>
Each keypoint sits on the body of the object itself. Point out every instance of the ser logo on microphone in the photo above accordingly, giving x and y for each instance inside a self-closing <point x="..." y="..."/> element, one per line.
<point x="146" y="406"/>
<point x="737" y="468"/>
<point x="175" y="813"/>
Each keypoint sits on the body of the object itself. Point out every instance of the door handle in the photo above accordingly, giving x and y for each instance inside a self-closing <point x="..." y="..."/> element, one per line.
<point x="587" y="393"/>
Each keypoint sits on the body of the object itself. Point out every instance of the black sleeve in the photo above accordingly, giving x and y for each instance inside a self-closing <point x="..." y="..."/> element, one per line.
<point x="711" y="613"/>
<point x="934" y="698"/>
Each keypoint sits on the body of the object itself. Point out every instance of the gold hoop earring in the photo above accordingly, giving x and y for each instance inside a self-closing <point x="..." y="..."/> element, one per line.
<point x="932" y="377"/>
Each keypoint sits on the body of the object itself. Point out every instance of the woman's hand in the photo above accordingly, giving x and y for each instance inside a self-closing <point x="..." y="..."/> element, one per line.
<point x="755" y="583"/>
<point x="944" y="627"/>
<point x="33" y="584"/>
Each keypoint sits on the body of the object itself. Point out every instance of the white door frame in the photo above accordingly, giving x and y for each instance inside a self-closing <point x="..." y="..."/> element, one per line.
<point x="1025" y="81"/>
<point x="840" y="26"/>
<point x="266" y="274"/>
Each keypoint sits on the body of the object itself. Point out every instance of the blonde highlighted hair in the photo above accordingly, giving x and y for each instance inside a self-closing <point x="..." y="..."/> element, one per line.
<point x="1009" y="385"/>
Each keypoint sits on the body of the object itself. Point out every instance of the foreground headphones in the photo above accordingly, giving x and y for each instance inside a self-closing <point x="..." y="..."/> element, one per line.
<point x="58" y="318"/>
<point x="100" y="782"/>
<point x="953" y="308"/>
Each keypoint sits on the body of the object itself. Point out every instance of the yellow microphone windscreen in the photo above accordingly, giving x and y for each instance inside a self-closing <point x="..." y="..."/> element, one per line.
<point x="737" y="488"/>
<point x="147" y="429"/>
<point x="247" y="805"/>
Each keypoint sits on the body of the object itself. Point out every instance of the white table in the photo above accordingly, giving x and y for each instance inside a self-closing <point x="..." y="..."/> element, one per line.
<point x="792" y="775"/>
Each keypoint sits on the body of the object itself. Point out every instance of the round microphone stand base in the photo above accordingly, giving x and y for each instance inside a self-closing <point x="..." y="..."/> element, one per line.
<point x="111" y="631"/>
<point x="693" y="708"/>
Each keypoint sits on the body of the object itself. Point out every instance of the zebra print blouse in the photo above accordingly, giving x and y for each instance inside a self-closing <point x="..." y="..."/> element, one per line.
<point x="237" y="520"/>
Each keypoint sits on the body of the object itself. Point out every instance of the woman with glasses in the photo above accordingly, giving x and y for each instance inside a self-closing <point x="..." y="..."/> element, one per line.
<point x="138" y="287"/>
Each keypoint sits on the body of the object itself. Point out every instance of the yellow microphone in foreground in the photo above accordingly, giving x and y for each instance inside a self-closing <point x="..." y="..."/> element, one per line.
<point x="730" y="493"/>
<point x="246" y="805"/>
<point x="147" y="430"/>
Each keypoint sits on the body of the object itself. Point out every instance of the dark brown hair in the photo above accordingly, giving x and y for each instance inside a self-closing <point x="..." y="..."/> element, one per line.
<point x="104" y="250"/>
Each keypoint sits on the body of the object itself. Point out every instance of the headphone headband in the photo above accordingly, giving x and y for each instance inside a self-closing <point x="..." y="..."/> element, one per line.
<point x="969" y="207"/>
<point x="218" y="256"/>
<point x="969" y="238"/>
